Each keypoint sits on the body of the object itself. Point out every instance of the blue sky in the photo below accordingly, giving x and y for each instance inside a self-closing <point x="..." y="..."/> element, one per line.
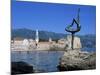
<point x="52" y="17"/>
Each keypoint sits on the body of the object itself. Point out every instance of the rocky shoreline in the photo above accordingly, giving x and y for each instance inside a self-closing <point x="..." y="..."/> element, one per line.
<point x="21" y="68"/>
<point x="77" y="60"/>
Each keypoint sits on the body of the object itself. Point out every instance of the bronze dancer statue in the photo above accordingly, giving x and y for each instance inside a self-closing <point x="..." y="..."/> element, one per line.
<point x="73" y="31"/>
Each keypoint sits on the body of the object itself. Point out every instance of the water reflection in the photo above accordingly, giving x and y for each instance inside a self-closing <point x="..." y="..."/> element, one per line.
<point x="46" y="61"/>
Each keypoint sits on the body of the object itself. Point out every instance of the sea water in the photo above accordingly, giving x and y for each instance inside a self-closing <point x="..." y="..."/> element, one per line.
<point x="42" y="61"/>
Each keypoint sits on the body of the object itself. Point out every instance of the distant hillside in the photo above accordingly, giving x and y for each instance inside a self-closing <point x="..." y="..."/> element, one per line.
<point x="87" y="40"/>
<point x="43" y="35"/>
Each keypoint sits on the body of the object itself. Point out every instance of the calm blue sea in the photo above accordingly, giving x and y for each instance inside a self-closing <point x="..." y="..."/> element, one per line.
<point x="42" y="61"/>
<point x="89" y="49"/>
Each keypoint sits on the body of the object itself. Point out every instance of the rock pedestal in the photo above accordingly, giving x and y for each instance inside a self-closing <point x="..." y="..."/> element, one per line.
<point x="77" y="60"/>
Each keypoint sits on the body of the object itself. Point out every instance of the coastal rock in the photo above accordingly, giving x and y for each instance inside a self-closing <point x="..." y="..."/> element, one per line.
<point x="21" y="68"/>
<point x="77" y="60"/>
